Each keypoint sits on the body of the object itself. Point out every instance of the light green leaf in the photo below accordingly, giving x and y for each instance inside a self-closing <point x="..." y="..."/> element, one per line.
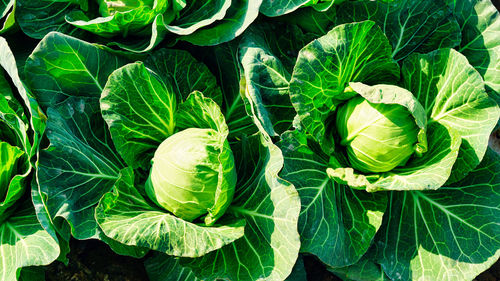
<point x="449" y="234"/>
<point x="270" y="207"/>
<point x="238" y="17"/>
<point x="357" y="52"/>
<point x="337" y="223"/>
<point x="479" y="22"/>
<point x="453" y="94"/>
<point x="127" y="217"/>
<point x="139" y="110"/>
<point x="23" y="242"/>
<point x="62" y="66"/>
<point x="201" y="112"/>
<point x="199" y="14"/>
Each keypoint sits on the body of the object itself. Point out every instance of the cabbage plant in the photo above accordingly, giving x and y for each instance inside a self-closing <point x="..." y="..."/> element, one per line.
<point x="141" y="25"/>
<point x="388" y="139"/>
<point x="154" y="164"/>
<point x="24" y="241"/>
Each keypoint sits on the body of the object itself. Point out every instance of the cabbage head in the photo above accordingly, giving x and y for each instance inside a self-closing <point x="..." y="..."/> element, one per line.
<point x="378" y="137"/>
<point x="193" y="174"/>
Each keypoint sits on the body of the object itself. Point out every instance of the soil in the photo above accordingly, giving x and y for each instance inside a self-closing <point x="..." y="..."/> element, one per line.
<point x="92" y="260"/>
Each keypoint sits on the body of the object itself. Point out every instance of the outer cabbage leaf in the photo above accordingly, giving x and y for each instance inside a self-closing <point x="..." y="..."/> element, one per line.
<point x="24" y="242"/>
<point x="38" y="18"/>
<point x="223" y="61"/>
<point x="161" y="267"/>
<point x="267" y="62"/>
<point x="138" y="130"/>
<point x="272" y="8"/>
<point x="364" y="270"/>
<point x="336" y="223"/>
<point x="62" y="66"/>
<point x="448" y="234"/>
<point x="480" y="25"/>
<point x="126" y="216"/>
<point x="452" y="93"/>
<point x="186" y="75"/>
<point x="410" y="25"/>
<point x="238" y="17"/>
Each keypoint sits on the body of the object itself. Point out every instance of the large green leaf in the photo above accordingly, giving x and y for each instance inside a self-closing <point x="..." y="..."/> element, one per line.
<point x="79" y="166"/>
<point x="224" y="62"/>
<point x="62" y="66"/>
<point x="337" y="223"/>
<point x="479" y="22"/>
<point x="197" y="15"/>
<point x="364" y="270"/>
<point x="410" y="25"/>
<point x="139" y="110"/>
<point x="126" y="216"/>
<point x="453" y="94"/>
<point x="179" y="69"/>
<point x="238" y="17"/>
<point x="23" y="242"/>
<point x="449" y="234"/>
<point x="270" y="207"/>
<point x="357" y="52"/>
<point x="38" y="18"/>
<point x="161" y="267"/>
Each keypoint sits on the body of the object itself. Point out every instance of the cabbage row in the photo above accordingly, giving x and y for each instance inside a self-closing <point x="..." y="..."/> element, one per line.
<point x="226" y="140"/>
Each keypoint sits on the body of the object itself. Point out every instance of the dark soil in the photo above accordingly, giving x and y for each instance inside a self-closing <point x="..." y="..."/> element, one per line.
<point x="92" y="260"/>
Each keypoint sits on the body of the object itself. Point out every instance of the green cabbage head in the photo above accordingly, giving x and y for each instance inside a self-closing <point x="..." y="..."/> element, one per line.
<point x="378" y="137"/>
<point x="193" y="174"/>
